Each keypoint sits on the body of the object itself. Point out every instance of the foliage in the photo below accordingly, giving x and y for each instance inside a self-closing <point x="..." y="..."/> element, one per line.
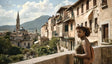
<point x="53" y="42"/>
<point x="44" y="40"/>
<point x="7" y="36"/>
<point x="44" y="50"/>
<point x="4" y="59"/>
<point x="14" y="50"/>
<point x="5" y="45"/>
<point x="16" y="58"/>
<point x="8" y="52"/>
<point x="46" y="47"/>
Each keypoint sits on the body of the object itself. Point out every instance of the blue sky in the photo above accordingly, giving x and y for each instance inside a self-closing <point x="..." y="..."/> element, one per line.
<point x="28" y="9"/>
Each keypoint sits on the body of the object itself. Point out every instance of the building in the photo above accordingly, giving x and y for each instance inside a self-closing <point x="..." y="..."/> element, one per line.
<point x="44" y="30"/>
<point x="21" y="37"/>
<point x="66" y="27"/>
<point x="95" y="14"/>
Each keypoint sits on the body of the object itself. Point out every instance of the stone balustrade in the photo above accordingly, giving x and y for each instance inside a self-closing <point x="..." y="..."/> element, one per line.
<point x="103" y="55"/>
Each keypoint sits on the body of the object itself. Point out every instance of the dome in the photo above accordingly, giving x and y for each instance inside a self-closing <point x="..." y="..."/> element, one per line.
<point x="22" y="29"/>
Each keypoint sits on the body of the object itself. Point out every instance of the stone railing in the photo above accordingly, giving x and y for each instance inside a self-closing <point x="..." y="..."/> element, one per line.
<point x="103" y="55"/>
<point x="58" y="58"/>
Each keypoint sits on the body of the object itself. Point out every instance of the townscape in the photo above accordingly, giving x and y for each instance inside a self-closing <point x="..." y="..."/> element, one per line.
<point x="58" y="36"/>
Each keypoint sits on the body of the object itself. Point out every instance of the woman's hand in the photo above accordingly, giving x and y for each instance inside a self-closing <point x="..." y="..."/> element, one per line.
<point x="74" y="54"/>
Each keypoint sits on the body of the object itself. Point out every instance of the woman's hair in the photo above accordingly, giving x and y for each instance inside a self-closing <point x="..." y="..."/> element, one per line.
<point x="85" y="29"/>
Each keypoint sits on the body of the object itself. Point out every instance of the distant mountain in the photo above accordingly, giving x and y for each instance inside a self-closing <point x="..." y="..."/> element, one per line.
<point x="7" y="28"/>
<point x="36" y="24"/>
<point x="30" y="25"/>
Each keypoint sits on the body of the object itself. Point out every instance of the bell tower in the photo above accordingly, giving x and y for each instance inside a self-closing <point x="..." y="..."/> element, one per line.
<point x="17" y="23"/>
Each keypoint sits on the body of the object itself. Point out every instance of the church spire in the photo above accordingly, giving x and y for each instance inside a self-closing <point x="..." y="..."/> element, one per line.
<point x="17" y="22"/>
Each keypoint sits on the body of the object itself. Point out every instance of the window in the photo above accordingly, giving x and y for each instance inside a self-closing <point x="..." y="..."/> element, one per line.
<point x="71" y="26"/>
<point x="94" y="2"/>
<point x="18" y="44"/>
<point x="28" y="45"/>
<point x="105" y="33"/>
<point x="46" y="27"/>
<point x="82" y="8"/>
<point x="96" y="24"/>
<point x="81" y="24"/>
<point x="87" y="5"/>
<point x="78" y="11"/>
<point x="55" y="33"/>
<point x="24" y="44"/>
<point x="72" y="14"/>
<point x="104" y="2"/>
<point x="66" y="28"/>
<point x="90" y="24"/>
<point x="86" y="24"/>
<point x="77" y="24"/>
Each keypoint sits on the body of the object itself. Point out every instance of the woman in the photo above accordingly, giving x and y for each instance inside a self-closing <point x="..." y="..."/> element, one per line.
<point x="83" y="50"/>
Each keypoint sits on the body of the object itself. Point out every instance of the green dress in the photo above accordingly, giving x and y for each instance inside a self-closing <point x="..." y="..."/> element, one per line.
<point x="79" y="50"/>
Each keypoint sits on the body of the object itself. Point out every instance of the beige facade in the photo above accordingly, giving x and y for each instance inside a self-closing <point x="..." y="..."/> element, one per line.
<point x="97" y="17"/>
<point x="44" y="30"/>
<point x="66" y="28"/>
<point x="95" y="14"/>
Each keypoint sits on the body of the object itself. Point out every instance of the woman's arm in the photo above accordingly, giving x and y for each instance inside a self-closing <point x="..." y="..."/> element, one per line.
<point x="86" y="50"/>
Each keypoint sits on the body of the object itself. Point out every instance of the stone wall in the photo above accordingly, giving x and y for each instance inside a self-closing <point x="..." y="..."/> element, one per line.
<point x="103" y="55"/>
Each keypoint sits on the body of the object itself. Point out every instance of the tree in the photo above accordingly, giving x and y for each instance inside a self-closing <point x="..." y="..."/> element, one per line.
<point x="7" y="35"/>
<point x="44" y="40"/>
<point x="5" y="45"/>
<point x="14" y="50"/>
<point x="53" y="42"/>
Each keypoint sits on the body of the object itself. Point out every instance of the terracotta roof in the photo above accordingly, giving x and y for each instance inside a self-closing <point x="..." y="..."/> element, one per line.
<point x="64" y="7"/>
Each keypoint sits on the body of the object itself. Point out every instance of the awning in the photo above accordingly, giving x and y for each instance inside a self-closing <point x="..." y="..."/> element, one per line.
<point x="36" y="42"/>
<point x="89" y="14"/>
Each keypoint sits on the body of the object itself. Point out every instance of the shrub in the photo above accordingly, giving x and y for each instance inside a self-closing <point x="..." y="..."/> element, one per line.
<point x="5" y="45"/>
<point x="16" y="58"/>
<point x="14" y="50"/>
<point x="4" y="59"/>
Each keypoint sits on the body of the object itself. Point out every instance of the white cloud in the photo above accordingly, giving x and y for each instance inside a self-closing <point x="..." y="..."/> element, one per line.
<point x="57" y="8"/>
<point x="7" y="17"/>
<point x="66" y="2"/>
<point x="18" y="6"/>
<point x="29" y="11"/>
<point x="32" y="10"/>
<point x="63" y="3"/>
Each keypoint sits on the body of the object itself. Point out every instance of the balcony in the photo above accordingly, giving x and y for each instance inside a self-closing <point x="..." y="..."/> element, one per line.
<point x="59" y="19"/>
<point x="103" y="55"/>
<point x="67" y="18"/>
<point x="65" y="35"/>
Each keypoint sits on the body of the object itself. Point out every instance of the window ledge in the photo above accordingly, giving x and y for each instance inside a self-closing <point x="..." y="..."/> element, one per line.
<point x="77" y="15"/>
<point x="82" y="13"/>
<point x="95" y="6"/>
<point x="104" y="6"/>
<point x="106" y="43"/>
<point x="96" y="30"/>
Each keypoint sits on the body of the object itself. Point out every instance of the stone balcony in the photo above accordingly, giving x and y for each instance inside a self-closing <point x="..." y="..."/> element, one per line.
<point x="103" y="55"/>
